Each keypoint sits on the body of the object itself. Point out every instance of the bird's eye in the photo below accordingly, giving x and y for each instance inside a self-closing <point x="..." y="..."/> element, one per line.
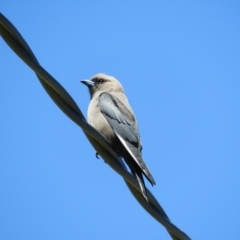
<point x="100" y="80"/>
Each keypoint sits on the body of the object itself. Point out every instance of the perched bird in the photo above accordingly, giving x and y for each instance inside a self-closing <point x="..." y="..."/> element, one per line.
<point x="110" y="113"/>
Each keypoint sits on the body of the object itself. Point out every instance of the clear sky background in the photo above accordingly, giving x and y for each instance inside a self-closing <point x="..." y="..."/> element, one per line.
<point x="179" y="63"/>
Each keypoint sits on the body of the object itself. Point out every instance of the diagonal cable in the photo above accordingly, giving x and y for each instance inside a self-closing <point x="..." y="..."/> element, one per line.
<point x="65" y="102"/>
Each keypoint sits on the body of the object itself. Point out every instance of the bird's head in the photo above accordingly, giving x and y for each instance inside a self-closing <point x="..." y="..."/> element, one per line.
<point x="102" y="83"/>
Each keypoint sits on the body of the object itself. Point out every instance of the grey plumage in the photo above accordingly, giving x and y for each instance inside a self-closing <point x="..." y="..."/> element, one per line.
<point x="110" y="113"/>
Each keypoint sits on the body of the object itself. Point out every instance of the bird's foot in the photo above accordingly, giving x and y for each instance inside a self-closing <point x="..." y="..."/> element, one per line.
<point x="97" y="155"/>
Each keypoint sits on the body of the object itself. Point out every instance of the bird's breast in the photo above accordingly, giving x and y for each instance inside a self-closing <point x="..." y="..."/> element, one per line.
<point x="97" y="120"/>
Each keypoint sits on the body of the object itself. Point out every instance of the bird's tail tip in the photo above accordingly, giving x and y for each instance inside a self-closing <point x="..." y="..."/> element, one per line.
<point x="142" y="186"/>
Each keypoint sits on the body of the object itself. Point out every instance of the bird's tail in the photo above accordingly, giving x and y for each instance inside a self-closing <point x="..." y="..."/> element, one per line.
<point x="133" y="154"/>
<point x="138" y="173"/>
<point x="134" y="160"/>
<point x="141" y="184"/>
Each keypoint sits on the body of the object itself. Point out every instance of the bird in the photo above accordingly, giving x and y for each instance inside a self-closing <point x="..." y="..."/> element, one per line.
<point x="110" y="113"/>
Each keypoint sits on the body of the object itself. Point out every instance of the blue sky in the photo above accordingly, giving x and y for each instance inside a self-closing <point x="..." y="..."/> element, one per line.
<point x="179" y="63"/>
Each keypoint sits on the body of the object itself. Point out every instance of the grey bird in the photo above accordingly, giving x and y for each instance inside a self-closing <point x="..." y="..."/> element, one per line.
<point x="110" y="113"/>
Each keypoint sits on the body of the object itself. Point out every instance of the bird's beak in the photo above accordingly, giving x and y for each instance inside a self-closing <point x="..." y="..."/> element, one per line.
<point x="88" y="83"/>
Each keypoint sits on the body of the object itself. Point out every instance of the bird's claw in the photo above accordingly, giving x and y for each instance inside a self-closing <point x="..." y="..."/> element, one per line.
<point x="97" y="155"/>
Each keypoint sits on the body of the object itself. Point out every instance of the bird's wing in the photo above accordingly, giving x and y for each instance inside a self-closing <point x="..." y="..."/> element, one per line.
<point x="116" y="115"/>
<point x="124" y="125"/>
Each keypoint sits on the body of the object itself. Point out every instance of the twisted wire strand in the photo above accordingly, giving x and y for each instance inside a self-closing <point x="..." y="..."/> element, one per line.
<point x="65" y="102"/>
